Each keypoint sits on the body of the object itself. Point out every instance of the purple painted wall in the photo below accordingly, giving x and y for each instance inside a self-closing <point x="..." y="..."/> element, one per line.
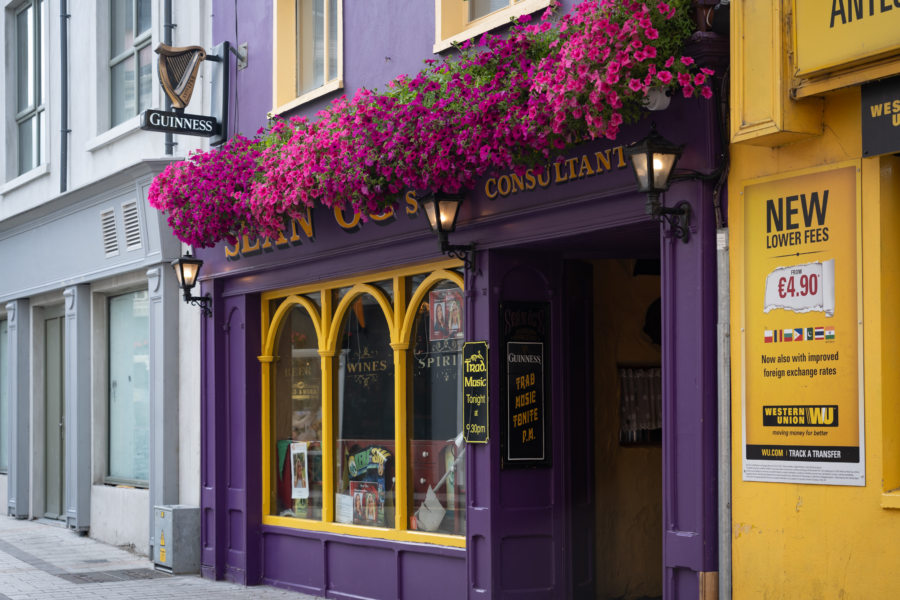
<point x="511" y="543"/>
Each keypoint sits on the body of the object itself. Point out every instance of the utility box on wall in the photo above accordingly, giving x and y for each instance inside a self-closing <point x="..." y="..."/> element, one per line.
<point x="176" y="538"/>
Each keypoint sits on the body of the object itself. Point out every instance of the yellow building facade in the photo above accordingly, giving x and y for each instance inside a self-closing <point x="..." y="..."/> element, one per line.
<point x="814" y="217"/>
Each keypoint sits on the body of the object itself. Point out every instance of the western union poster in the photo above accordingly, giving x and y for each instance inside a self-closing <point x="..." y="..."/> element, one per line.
<point x="802" y="407"/>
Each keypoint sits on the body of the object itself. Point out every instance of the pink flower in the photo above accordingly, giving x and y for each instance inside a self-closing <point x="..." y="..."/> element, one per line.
<point x="491" y="107"/>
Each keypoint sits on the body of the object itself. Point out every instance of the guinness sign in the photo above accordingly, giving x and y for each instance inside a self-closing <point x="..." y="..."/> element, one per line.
<point x="160" y="120"/>
<point x="177" y="68"/>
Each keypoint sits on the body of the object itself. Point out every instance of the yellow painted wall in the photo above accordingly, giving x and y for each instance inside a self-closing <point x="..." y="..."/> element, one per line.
<point x="628" y="480"/>
<point x="816" y="541"/>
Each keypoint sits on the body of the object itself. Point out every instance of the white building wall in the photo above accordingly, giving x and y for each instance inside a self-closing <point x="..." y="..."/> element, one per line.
<point x="119" y="516"/>
<point x="103" y="163"/>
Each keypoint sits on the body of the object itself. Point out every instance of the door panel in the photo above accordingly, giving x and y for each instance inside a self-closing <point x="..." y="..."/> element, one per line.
<point x="578" y="384"/>
<point x="531" y="528"/>
<point x="54" y="418"/>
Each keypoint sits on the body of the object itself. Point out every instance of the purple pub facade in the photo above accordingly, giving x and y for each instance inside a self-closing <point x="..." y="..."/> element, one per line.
<point x="333" y="462"/>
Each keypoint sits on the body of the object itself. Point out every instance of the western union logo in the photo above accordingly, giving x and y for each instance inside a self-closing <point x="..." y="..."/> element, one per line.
<point x="800" y="416"/>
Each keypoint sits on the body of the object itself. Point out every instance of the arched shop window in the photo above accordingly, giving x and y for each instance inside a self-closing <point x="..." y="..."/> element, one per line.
<point x="436" y="449"/>
<point x="364" y="417"/>
<point x="362" y="406"/>
<point x="296" y="409"/>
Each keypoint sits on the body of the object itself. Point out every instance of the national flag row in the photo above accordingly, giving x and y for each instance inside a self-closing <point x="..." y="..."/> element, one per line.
<point x="807" y="334"/>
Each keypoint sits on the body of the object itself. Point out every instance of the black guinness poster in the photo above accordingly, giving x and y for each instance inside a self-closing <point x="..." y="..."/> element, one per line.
<point x="525" y="351"/>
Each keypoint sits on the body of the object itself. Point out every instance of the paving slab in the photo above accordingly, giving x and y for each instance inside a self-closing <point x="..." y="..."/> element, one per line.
<point x="41" y="560"/>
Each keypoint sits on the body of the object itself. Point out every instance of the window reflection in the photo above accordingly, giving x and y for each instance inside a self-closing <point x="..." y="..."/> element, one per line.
<point x="297" y="418"/>
<point x="364" y="418"/>
<point x="436" y="447"/>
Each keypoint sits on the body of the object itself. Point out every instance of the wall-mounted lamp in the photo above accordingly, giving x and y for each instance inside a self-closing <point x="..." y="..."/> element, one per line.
<point x="187" y="268"/>
<point x="653" y="159"/>
<point x="442" y="210"/>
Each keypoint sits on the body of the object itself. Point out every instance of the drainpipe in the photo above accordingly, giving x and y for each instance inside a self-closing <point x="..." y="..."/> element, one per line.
<point x="723" y="358"/>
<point x="167" y="40"/>
<point x="723" y="352"/>
<point x="64" y="95"/>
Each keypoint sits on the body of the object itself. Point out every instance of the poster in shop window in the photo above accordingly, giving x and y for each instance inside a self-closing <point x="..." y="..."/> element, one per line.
<point x="802" y="414"/>
<point x="445" y="309"/>
<point x="299" y="471"/>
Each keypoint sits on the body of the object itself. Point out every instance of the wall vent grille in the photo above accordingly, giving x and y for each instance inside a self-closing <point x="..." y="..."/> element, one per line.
<point x="108" y="228"/>
<point x="132" y="226"/>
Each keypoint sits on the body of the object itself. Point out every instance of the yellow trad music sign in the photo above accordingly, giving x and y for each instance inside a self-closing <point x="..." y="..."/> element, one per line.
<point x="802" y="406"/>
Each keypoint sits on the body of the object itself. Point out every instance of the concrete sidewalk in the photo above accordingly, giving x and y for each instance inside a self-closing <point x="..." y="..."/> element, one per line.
<point x="39" y="560"/>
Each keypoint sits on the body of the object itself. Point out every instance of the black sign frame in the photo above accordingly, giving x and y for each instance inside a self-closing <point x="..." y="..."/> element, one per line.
<point x="180" y="123"/>
<point x="476" y="394"/>
<point x="525" y="350"/>
<point x="880" y="117"/>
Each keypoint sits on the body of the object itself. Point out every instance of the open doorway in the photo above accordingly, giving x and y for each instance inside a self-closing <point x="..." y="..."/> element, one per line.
<point x="627" y="419"/>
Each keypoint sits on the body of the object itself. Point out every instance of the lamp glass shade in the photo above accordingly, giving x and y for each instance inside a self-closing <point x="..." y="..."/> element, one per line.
<point x="428" y="203"/>
<point x="442" y="211"/>
<point x="448" y="209"/>
<point x="187" y="268"/>
<point x="653" y="159"/>
<point x="639" y="164"/>
<point x="662" y="164"/>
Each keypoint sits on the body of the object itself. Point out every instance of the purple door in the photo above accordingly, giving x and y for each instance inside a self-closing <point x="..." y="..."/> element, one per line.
<point x="543" y="526"/>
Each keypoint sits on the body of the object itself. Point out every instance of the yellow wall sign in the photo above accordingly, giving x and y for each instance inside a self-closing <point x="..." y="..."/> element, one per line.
<point x="830" y="34"/>
<point x="802" y="410"/>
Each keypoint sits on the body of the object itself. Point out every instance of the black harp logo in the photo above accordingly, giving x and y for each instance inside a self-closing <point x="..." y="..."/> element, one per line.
<point x="178" y="72"/>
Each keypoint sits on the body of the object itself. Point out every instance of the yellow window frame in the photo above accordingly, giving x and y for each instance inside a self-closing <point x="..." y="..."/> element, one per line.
<point x="285" y="63"/>
<point x="452" y="25"/>
<point x="327" y="320"/>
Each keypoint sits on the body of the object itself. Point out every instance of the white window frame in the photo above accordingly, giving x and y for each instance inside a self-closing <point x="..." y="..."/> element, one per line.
<point x="38" y="108"/>
<point x="141" y="40"/>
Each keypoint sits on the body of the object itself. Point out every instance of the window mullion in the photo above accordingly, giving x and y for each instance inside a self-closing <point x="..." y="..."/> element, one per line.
<point x="137" y="79"/>
<point x="298" y="81"/>
<point x="121" y="57"/>
<point x="134" y="21"/>
<point x="401" y="497"/>
<point x="36" y="67"/>
<point x="401" y="446"/>
<point x="327" y="436"/>
<point x="325" y="30"/>
<point x="328" y="439"/>
<point x="24" y="115"/>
